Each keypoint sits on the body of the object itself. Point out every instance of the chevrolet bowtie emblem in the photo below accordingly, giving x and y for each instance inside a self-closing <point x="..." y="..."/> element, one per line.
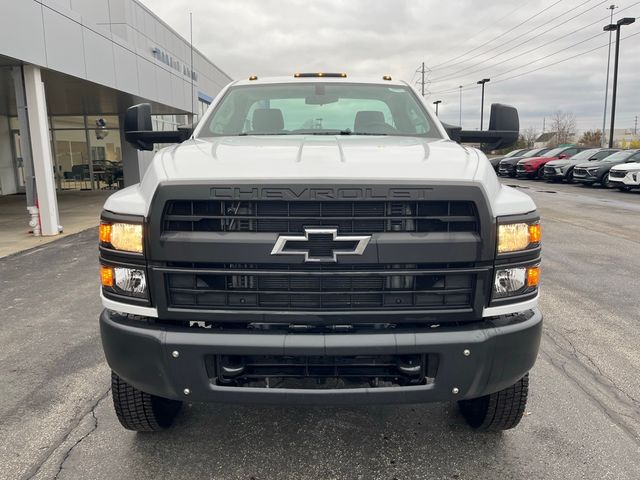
<point x="320" y="245"/>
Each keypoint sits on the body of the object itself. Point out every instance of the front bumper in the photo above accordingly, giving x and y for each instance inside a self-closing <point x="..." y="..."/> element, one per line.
<point x="587" y="179"/>
<point x="553" y="174"/>
<point x="631" y="179"/>
<point x="522" y="173"/>
<point x="506" y="171"/>
<point x="502" y="349"/>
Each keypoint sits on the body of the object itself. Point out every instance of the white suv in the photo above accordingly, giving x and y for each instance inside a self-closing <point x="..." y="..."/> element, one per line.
<point x="625" y="176"/>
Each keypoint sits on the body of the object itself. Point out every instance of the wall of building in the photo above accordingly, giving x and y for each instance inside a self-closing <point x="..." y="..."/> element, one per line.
<point x="116" y="43"/>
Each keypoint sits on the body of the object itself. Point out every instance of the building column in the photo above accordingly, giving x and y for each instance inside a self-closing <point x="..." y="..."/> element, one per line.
<point x="25" y="144"/>
<point x="41" y="150"/>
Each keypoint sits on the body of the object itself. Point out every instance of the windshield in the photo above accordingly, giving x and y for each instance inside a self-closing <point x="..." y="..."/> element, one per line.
<point x="603" y="154"/>
<point x="619" y="156"/>
<point x="515" y="153"/>
<point x="554" y="152"/>
<point x="585" y="154"/>
<point x="316" y="108"/>
<point x="535" y="153"/>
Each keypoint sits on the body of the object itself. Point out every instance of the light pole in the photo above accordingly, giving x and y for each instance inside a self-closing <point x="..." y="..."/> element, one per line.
<point x="460" y="104"/>
<point x="482" y="82"/>
<point x="609" y="28"/>
<point x="436" y="103"/>
<point x="606" y="86"/>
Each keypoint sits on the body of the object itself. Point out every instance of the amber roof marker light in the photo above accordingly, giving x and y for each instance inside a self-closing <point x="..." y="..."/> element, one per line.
<point x="253" y="77"/>
<point x="319" y="75"/>
<point x="387" y="78"/>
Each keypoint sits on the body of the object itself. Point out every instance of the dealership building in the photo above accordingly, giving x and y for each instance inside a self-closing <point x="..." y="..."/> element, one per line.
<point x="68" y="71"/>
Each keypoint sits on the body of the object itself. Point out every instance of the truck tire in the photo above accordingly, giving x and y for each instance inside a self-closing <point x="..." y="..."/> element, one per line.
<point x="498" y="411"/>
<point x="140" y="411"/>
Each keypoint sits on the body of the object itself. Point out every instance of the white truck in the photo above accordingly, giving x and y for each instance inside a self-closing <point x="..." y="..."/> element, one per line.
<point x="320" y="239"/>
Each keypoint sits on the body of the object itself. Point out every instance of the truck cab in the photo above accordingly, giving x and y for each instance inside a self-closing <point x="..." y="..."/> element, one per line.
<point x="320" y="239"/>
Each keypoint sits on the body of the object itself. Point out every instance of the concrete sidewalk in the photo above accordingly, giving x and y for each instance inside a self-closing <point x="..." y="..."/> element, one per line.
<point x="78" y="211"/>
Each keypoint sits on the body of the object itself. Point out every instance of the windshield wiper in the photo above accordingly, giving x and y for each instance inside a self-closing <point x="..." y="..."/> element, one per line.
<point x="346" y="131"/>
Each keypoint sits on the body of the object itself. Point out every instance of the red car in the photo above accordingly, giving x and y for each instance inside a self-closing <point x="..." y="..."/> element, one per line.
<point x="533" y="167"/>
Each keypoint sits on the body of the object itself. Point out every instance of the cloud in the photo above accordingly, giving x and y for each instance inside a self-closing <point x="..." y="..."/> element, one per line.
<point x="376" y="37"/>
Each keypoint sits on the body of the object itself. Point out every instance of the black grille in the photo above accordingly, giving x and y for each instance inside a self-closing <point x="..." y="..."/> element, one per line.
<point x="293" y="217"/>
<point x="320" y="287"/>
<point x="617" y="173"/>
<point x="579" y="172"/>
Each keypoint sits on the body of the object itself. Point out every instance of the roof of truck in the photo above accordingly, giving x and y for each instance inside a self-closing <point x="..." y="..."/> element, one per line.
<point x="378" y="80"/>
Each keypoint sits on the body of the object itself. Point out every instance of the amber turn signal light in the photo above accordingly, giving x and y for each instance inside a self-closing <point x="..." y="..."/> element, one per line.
<point x="104" y="233"/>
<point x="535" y="233"/>
<point x="106" y="276"/>
<point x="533" y="276"/>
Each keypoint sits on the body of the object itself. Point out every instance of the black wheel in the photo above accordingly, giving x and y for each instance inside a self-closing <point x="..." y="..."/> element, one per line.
<point x="499" y="411"/>
<point x="140" y="411"/>
<point x="539" y="173"/>
<point x="604" y="181"/>
<point x="570" y="176"/>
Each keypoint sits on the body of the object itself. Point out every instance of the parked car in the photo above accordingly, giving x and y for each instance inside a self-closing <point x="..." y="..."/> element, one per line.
<point x="626" y="175"/>
<point x="559" y="170"/>
<point x="495" y="161"/>
<point x="507" y="167"/>
<point x="534" y="167"/>
<point x="598" y="172"/>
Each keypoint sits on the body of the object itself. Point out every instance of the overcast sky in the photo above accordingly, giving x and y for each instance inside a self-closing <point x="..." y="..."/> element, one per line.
<point x="455" y="38"/>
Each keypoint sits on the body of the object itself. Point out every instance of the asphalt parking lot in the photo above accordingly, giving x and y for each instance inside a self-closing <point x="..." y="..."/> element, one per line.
<point x="582" y="420"/>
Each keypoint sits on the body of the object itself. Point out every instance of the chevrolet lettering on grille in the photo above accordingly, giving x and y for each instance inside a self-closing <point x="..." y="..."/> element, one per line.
<point x="320" y="245"/>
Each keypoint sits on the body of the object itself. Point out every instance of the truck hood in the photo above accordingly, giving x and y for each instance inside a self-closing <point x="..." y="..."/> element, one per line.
<point x="308" y="159"/>
<point x="311" y="157"/>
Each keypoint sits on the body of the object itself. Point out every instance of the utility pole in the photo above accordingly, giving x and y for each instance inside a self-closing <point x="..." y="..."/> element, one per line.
<point x="608" y="28"/>
<point x="423" y="80"/>
<point x="460" y="104"/>
<point x="606" y="87"/>
<point x="635" y="126"/>
<point x="482" y="82"/>
<point x="544" y="120"/>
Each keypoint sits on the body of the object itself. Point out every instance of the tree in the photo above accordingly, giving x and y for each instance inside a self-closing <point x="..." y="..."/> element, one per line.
<point x="591" y="138"/>
<point x="564" y="125"/>
<point x="529" y="136"/>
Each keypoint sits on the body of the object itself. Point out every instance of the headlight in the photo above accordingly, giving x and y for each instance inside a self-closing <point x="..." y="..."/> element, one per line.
<point x="122" y="236"/>
<point x="124" y="281"/>
<point x="513" y="237"/>
<point x="515" y="281"/>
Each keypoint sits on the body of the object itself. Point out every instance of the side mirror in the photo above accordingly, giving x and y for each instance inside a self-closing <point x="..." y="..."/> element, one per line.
<point x="562" y="156"/>
<point x="138" y="130"/>
<point x="504" y="129"/>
